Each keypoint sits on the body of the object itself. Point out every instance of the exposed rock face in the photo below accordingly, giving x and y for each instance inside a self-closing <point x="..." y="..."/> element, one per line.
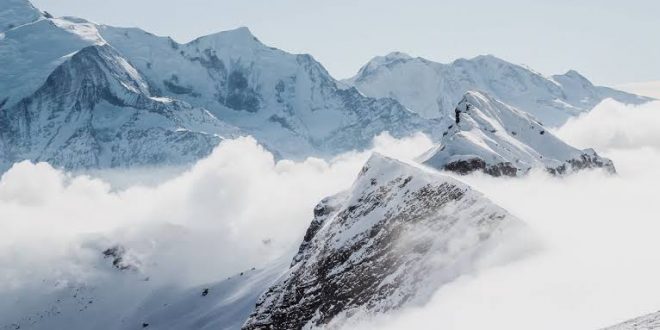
<point x="395" y="237"/>
<point x="433" y="89"/>
<point x="490" y="136"/>
<point x="468" y="166"/>
<point x="646" y="322"/>
<point x="120" y="259"/>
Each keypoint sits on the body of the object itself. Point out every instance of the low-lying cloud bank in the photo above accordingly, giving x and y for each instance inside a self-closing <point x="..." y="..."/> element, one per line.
<point x="232" y="211"/>
<point x="599" y="263"/>
<point x="239" y="209"/>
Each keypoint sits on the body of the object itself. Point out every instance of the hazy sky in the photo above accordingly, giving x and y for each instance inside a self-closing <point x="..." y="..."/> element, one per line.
<point x="610" y="41"/>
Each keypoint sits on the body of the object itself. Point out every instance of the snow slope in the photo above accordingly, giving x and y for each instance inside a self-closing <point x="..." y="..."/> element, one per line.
<point x="124" y="296"/>
<point x="14" y="13"/>
<point x="433" y="89"/>
<point x="498" y="139"/>
<point x="390" y="241"/>
<point x="646" y="322"/>
<point x="95" y="110"/>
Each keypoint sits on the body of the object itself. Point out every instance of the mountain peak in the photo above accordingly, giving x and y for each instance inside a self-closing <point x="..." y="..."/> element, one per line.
<point x="382" y="246"/>
<point x="389" y="59"/>
<point x="242" y="32"/>
<point x="573" y="74"/>
<point x="491" y="136"/>
<point x="14" y="13"/>
<point x="378" y="164"/>
<point x="377" y="62"/>
<point x="398" y="56"/>
<point x="377" y="159"/>
<point x="240" y="36"/>
<point x="475" y="97"/>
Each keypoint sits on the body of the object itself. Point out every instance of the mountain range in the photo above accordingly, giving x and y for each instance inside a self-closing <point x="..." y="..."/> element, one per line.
<point x="82" y="95"/>
<point x="433" y="89"/>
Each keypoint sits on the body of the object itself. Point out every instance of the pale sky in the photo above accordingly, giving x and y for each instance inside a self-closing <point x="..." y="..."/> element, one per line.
<point x="610" y="41"/>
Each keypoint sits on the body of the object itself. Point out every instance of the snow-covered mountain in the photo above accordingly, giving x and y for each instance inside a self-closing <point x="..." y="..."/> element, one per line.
<point x="397" y="235"/>
<point x="289" y="102"/>
<point x="390" y="241"/>
<point x="433" y="89"/>
<point x="490" y="136"/>
<point x="95" y="110"/>
<point x="646" y="322"/>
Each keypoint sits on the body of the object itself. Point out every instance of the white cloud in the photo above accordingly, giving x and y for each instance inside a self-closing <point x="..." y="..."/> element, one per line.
<point x="613" y="125"/>
<point x="234" y="210"/>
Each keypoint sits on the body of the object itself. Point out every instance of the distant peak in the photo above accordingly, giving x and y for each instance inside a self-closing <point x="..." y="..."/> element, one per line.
<point x="241" y="35"/>
<point x="398" y="56"/>
<point x="489" y="58"/>
<point x="382" y="61"/>
<point x="389" y="59"/>
<point x="241" y="32"/>
<point x="574" y="74"/>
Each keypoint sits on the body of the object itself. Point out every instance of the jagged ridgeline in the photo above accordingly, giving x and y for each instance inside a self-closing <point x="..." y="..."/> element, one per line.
<point x="390" y="241"/>
<point x="225" y="85"/>
<point x="433" y="89"/>
<point x="490" y="136"/>
<point x="59" y="102"/>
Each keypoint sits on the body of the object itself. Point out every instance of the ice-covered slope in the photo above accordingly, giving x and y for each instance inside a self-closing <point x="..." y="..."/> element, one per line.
<point x="123" y="297"/>
<point x="498" y="139"/>
<point x="30" y="53"/>
<point x="15" y="13"/>
<point x="397" y="235"/>
<point x="432" y="89"/>
<point x="95" y="110"/>
<point x="287" y="101"/>
<point x="646" y="322"/>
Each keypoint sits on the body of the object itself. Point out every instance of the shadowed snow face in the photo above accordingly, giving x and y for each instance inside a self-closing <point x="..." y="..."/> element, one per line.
<point x="599" y="263"/>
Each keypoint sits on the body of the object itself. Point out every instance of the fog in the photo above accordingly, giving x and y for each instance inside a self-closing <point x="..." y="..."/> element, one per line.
<point x="239" y="208"/>
<point x="234" y="210"/>
<point x="599" y="262"/>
